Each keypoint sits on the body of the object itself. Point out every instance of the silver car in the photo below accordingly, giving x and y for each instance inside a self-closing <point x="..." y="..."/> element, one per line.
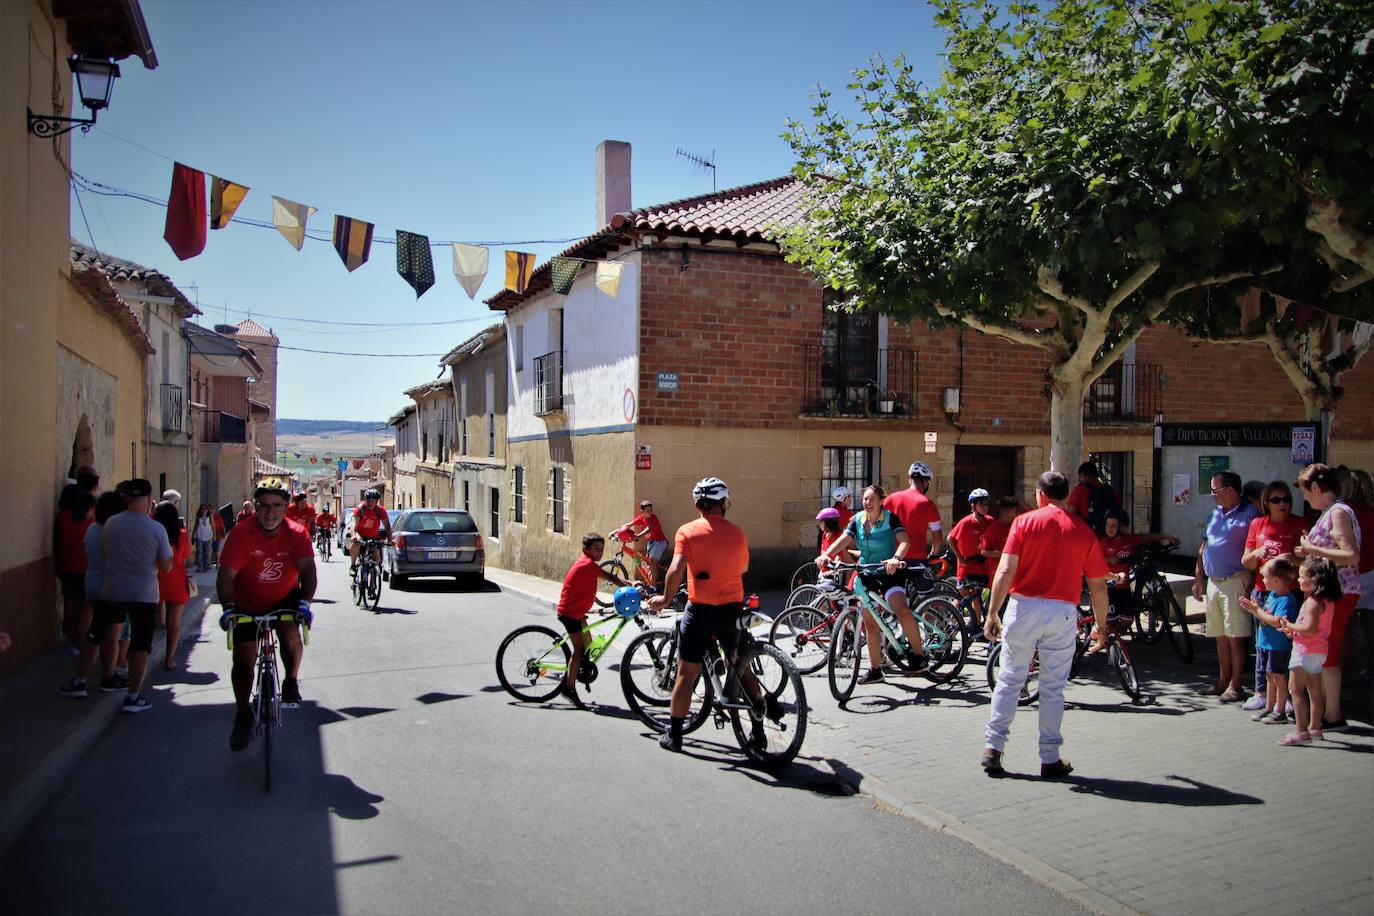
<point x="435" y="542"/>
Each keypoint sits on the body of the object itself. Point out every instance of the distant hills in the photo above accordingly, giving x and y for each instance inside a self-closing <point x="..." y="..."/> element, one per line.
<point x="325" y="428"/>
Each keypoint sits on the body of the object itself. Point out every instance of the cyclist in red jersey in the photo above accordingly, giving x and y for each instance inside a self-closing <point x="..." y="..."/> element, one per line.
<point x="302" y="513"/>
<point x="369" y="523"/>
<point x="267" y="564"/>
<point x="917" y="513"/>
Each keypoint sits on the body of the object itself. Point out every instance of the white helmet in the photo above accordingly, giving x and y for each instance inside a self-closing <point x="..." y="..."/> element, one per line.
<point x="712" y="488"/>
<point x="978" y="494"/>
<point x="840" y="493"/>
<point x="920" y="469"/>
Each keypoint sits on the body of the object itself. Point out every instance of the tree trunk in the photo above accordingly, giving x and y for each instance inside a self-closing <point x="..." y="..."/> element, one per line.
<point x="1066" y="426"/>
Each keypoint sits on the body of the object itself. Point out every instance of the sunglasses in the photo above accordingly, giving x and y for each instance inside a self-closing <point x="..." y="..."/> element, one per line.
<point x="1275" y="500"/>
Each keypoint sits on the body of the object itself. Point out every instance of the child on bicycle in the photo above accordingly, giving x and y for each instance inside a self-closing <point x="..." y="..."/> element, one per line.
<point x="966" y="540"/>
<point x="1272" y="647"/>
<point x="1118" y="548"/>
<point x="576" y="599"/>
<point x="647" y="525"/>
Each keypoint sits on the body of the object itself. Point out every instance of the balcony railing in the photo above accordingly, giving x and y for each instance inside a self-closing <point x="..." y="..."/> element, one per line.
<point x="882" y="389"/>
<point x="173" y="409"/>
<point x="217" y="426"/>
<point x="1126" y="392"/>
<point x="548" y="382"/>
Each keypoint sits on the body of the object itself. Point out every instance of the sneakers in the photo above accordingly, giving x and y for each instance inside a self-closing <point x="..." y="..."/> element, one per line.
<point x="773" y="709"/>
<point x="1056" y="770"/>
<point x="916" y="663"/>
<point x="290" y="692"/>
<point x="1336" y="725"/>
<point x="242" y="734"/>
<point x="75" y="688"/>
<point x="874" y="676"/>
<point x="114" y="682"/>
<point x="1255" y="702"/>
<point x="136" y="703"/>
<point x="669" y="743"/>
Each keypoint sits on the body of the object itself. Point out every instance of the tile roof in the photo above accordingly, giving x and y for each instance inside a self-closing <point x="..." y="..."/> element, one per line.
<point x="749" y="213"/>
<point x="97" y="289"/>
<point x="264" y="468"/>
<point x="250" y="328"/>
<point x="119" y="270"/>
<point x="212" y="343"/>
<point x="474" y="344"/>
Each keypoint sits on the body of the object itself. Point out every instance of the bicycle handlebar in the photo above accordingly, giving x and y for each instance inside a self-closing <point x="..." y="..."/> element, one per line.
<point x="261" y="620"/>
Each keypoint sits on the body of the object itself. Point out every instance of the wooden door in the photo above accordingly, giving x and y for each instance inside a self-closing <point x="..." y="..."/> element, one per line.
<point x="991" y="467"/>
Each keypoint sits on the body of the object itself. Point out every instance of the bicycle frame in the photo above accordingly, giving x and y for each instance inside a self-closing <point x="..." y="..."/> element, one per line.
<point x="638" y="564"/>
<point x="870" y="604"/>
<point x="551" y="660"/>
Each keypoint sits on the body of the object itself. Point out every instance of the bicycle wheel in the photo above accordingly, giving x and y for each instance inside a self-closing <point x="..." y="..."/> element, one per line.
<point x="1150" y="610"/>
<point x="522" y="663"/>
<point x="648" y="672"/>
<point x="805" y="594"/>
<point x="605" y="597"/>
<point x="802" y="633"/>
<point x="373" y="595"/>
<point x="355" y="586"/>
<point x="946" y="639"/>
<point x="1176" y="627"/>
<point x="846" y="654"/>
<point x="1125" y="671"/>
<point x="806" y="574"/>
<point x="267" y="720"/>
<point x="1030" y="691"/>
<point x="772" y="736"/>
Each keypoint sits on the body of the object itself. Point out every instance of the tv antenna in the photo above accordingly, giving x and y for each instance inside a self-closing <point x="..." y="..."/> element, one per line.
<point x="704" y="164"/>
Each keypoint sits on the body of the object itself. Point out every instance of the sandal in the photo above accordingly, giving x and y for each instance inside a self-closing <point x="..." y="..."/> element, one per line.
<point x="1295" y="739"/>
<point x="1315" y="734"/>
<point x="1262" y="716"/>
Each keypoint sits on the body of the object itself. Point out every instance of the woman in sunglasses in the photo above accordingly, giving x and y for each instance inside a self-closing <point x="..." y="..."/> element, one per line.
<point x="1274" y="533"/>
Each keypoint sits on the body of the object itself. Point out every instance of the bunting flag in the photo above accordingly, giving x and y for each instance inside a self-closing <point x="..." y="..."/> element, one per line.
<point x="314" y="459"/>
<point x="353" y="241"/>
<point x="608" y="277"/>
<point x="413" y="261"/>
<point x="225" y="197"/>
<point x="564" y="271"/>
<point x="470" y="266"/>
<point x="376" y="464"/>
<point x="185" y="230"/>
<point x="357" y="464"/>
<point x="290" y="219"/>
<point x="519" y="268"/>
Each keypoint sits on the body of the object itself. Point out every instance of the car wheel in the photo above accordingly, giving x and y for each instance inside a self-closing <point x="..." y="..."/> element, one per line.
<point x="399" y="581"/>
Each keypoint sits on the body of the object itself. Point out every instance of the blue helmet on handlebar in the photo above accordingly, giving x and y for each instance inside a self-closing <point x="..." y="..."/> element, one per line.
<point x="627" y="601"/>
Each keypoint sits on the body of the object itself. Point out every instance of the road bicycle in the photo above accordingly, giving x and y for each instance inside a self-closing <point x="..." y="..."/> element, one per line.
<point x="366" y="585"/>
<point x="324" y="543"/>
<point x="942" y="633"/>
<point x="1156" y="610"/>
<point x="1117" y="653"/>
<point x="616" y="567"/>
<point x="755" y="688"/>
<point x="266" y="701"/>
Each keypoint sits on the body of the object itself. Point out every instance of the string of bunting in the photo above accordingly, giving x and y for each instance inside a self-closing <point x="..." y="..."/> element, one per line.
<point x="188" y="219"/>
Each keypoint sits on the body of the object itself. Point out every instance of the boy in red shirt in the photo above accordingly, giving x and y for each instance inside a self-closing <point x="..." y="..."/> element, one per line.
<point x="576" y="599"/>
<point x="966" y="540"/>
<point x="1118" y="545"/>
<point x="995" y="536"/>
<point x="647" y="524"/>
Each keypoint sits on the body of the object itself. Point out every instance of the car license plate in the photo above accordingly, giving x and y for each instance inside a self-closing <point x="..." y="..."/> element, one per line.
<point x="443" y="554"/>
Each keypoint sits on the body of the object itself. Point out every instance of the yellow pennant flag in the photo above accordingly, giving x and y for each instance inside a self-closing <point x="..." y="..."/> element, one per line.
<point x="519" y="269"/>
<point x="608" y="277"/>
<point x="225" y="197"/>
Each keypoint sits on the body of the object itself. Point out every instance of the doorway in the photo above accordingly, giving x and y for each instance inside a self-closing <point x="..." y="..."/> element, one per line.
<point x="992" y="467"/>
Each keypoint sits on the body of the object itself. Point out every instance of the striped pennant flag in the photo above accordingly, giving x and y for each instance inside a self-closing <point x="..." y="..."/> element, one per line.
<point x="353" y="241"/>
<point x="519" y="269"/>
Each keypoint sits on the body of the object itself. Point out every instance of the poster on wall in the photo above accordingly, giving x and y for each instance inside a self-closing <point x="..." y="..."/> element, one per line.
<point x="644" y="459"/>
<point x="1304" y="444"/>
<point x="1183" y="489"/>
<point x="1208" y="466"/>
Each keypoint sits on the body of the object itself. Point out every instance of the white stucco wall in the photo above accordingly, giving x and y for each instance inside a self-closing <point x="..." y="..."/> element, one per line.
<point x="601" y="352"/>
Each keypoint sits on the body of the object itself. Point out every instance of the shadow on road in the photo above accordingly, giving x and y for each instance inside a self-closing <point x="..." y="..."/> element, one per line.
<point x="1191" y="794"/>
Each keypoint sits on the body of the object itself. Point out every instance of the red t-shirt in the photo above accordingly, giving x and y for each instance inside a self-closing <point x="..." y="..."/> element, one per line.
<point x="967" y="537"/>
<point x="325" y="520"/>
<point x="243" y="516"/>
<point x="1055" y="550"/>
<point x="713" y="545"/>
<point x="368" y="524"/>
<point x="71" y="538"/>
<point x="918" y="515"/>
<point x="304" y="514"/>
<point x="171" y="585"/>
<point x="264" y="567"/>
<point x="846" y="514"/>
<point x="579" y="588"/>
<point x="1275" y="537"/>
<point x="1117" y="552"/>
<point x="995" y="537"/>
<point x="639" y="523"/>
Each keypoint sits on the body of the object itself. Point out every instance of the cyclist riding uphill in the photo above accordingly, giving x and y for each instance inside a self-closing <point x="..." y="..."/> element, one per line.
<point x="369" y="524"/>
<point x="880" y="538"/>
<point x="917" y="512"/>
<point x="714" y="555"/>
<point x="267" y="564"/>
<point x="576" y="599"/>
<point x="302" y="513"/>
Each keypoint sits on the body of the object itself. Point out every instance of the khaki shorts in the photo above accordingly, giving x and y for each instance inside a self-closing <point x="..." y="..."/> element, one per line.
<point x="1225" y="616"/>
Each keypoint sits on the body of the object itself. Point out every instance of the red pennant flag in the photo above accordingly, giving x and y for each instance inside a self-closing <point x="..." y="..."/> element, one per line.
<point x="357" y="464"/>
<point x="314" y="459"/>
<point x="186" y="225"/>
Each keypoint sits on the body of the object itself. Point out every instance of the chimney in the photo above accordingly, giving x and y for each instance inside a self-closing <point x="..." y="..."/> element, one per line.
<point x="612" y="180"/>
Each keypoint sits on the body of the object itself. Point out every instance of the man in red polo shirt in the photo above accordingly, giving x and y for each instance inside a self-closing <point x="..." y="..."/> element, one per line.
<point x="917" y="513"/>
<point x="302" y="513"/>
<point x="267" y="564"/>
<point x="1047" y="555"/>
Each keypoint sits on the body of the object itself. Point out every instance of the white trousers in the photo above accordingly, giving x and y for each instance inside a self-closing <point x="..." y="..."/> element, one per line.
<point x="1030" y="625"/>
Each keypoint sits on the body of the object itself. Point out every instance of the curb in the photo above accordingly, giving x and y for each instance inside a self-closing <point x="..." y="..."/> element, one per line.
<point x="511" y="589"/>
<point x="34" y="792"/>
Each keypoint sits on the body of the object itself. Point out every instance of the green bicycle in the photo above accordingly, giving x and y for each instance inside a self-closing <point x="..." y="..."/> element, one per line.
<point x="942" y="633"/>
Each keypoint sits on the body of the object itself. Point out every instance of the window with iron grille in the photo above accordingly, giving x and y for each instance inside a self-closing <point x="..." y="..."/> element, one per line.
<point x="495" y="511"/>
<point x="517" y="491"/>
<point x="467" y="496"/>
<point x="557" y="515"/>
<point x="848" y="466"/>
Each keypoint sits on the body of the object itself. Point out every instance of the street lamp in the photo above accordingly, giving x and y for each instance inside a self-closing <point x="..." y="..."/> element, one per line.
<point x="94" y="83"/>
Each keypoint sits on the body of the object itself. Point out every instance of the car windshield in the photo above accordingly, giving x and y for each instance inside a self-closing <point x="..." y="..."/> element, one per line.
<point x="440" y="522"/>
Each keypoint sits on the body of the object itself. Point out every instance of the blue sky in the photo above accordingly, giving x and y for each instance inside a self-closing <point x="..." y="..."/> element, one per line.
<point x="463" y="121"/>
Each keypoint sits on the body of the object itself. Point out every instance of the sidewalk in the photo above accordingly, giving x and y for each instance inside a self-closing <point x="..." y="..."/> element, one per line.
<point x="45" y="734"/>
<point x="1179" y="805"/>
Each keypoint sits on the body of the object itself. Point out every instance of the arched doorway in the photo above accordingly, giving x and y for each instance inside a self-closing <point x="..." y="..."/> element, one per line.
<point x="83" y="449"/>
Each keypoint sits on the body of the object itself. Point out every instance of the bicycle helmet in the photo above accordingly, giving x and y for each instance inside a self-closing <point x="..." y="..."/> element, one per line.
<point x="371" y="494"/>
<point x="978" y="494"/>
<point x="840" y="493"/>
<point x="712" y="488"/>
<point x="271" y="485"/>
<point x="627" y="601"/>
<point x="920" y="469"/>
<point x="827" y="512"/>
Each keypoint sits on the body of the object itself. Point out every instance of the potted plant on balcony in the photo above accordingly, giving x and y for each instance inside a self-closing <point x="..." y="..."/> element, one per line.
<point x="886" y="401"/>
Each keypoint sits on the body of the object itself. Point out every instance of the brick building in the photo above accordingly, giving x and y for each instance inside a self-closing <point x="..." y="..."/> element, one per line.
<point x="262" y="388"/>
<point x="221" y="415"/>
<point x="716" y="356"/>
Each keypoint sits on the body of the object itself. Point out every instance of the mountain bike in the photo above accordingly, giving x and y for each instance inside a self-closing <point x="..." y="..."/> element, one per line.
<point x="803" y="629"/>
<point x="755" y="688"/>
<point x="1117" y="652"/>
<point x="366" y="585"/>
<point x="1157" y="612"/>
<point x="324" y="543"/>
<point x="266" y="700"/>
<point x="942" y="633"/>
<point x="616" y="567"/>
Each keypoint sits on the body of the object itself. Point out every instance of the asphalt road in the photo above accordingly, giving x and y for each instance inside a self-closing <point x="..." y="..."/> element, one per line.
<point x="410" y="782"/>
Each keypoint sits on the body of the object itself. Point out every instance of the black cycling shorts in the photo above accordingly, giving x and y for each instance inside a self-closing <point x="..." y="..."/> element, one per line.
<point x="573" y="625"/>
<point x="703" y="622"/>
<point x="248" y="632"/>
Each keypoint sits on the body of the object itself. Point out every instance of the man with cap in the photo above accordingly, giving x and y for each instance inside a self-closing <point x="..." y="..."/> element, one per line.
<point x="917" y="513"/>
